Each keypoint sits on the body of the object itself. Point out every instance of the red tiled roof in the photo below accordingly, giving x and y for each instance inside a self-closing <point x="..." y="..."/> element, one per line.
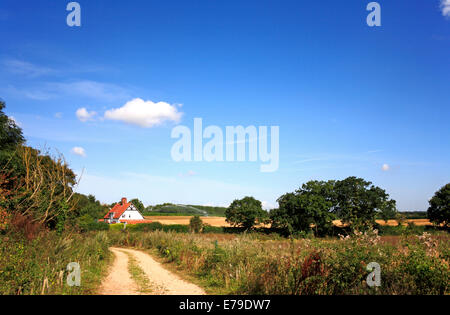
<point x="118" y="210"/>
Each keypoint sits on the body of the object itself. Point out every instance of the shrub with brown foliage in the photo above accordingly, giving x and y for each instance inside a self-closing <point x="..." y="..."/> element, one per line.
<point x="23" y="225"/>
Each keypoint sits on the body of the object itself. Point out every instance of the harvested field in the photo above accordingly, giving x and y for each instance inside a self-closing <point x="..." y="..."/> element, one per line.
<point x="418" y="222"/>
<point x="220" y="221"/>
<point x="170" y="220"/>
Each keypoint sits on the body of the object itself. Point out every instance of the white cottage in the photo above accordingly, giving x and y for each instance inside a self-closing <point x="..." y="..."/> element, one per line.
<point x="123" y="212"/>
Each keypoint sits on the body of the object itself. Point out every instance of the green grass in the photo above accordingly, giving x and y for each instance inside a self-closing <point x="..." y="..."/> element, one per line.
<point x="138" y="275"/>
<point x="39" y="266"/>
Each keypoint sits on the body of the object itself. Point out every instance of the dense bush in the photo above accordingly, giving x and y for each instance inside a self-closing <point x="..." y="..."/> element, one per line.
<point x="154" y="226"/>
<point x="97" y="226"/>
<point x="196" y="224"/>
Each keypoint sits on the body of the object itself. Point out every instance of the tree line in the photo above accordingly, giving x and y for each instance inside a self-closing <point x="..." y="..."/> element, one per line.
<point x="357" y="203"/>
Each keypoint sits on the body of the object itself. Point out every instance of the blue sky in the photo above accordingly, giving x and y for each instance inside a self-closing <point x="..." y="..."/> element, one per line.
<point x="347" y="98"/>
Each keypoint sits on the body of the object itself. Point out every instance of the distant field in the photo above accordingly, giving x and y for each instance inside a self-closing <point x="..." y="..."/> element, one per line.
<point x="169" y="220"/>
<point x="185" y="210"/>
<point x="418" y="222"/>
<point x="220" y="221"/>
<point x="163" y="214"/>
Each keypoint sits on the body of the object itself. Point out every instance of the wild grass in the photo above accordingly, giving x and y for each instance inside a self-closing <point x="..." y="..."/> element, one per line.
<point x="39" y="266"/>
<point x="234" y="264"/>
<point x="255" y="264"/>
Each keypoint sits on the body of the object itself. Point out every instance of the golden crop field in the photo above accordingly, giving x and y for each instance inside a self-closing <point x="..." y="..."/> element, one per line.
<point x="170" y="220"/>
<point x="220" y="221"/>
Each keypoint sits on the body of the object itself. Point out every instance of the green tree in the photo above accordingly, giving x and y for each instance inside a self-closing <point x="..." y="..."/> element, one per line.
<point x="357" y="202"/>
<point x="439" y="210"/>
<point x="87" y="210"/>
<point x="138" y="204"/>
<point x="388" y="211"/>
<point x="196" y="224"/>
<point x="10" y="134"/>
<point x="309" y="207"/>
<point x="33" y="184"/>
<point x="245" y="213"/>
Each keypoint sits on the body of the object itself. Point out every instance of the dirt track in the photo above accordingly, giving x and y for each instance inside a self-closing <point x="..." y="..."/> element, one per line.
<point x="119" y="281"/>
<point x="163" y="282"/>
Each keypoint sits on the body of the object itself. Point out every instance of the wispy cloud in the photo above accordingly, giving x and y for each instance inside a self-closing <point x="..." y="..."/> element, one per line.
<point x="29" y="93"/>
<point x="338" y="161"/>
<point x="374" y="151"/>
<point x="187" y="174"/>
<point x="312" y="160"/>
<point x="98" y="91"/>
<point x="25" y="68"/>
<point x="91" y="89"/>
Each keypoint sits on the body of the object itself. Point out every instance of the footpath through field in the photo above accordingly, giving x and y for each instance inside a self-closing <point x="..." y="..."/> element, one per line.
<point x="161" y="281"/>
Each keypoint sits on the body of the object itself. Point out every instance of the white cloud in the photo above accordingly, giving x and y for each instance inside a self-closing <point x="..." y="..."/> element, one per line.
<point x="385" y="167"/>
<point x="145" y="114"/>
<point x="84" y="115"/>
<point x="445" y="6"/>
<point x="58" y="115"/>
<point x="79" y="151"/>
